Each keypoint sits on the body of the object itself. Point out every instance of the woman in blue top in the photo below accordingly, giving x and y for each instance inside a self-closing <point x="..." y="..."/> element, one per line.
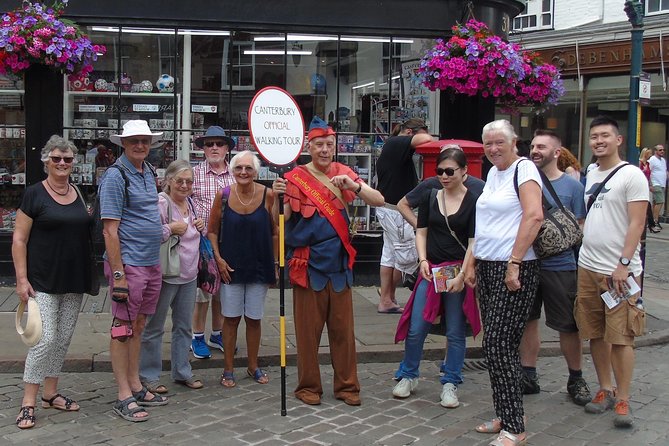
<point x="244" y="238"/>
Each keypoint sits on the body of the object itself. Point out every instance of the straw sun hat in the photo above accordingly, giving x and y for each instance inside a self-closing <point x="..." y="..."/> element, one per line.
<point x="32" y="333"/>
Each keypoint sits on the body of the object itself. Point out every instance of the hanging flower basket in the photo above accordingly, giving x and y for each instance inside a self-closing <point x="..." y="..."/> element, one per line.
<point x="475" y="61"/>
<point x="36" y="34"/>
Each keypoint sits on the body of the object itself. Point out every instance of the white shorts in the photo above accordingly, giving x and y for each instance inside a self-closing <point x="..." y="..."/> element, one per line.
<point x="245" y="299"/>
<point x="202" y="296"/>
<point x="399" y="241"/>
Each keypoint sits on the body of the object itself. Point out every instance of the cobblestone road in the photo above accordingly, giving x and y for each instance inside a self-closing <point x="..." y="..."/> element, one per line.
<point x="249" y="413"/>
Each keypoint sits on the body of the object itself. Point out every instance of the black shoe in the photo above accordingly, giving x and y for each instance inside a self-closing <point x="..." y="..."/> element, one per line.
<point x="530" y="384"/>
<point x="658" y="225"/>
<point x="654" y="229"/>
<point x="579" y="391"/>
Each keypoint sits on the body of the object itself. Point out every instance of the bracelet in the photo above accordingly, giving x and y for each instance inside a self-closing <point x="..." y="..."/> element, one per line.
<point x="515" y="262"/>
<point x="517" y="259"/>
<point x="359" y="188"/>
<point x="422" y="260"/>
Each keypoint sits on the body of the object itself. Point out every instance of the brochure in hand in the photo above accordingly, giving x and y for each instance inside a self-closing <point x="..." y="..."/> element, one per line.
<point x="612" y="298"/>
<point x="441" y="276"/>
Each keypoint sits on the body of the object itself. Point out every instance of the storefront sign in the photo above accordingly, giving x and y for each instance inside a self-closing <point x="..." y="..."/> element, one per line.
<point x="204" y="108"/>
<point x="644" y="89"/>
<point x="145" y="107"/>
<point x="276" y="126"/>
<point x="608" y="57"/>
<point x="92" y="108"/>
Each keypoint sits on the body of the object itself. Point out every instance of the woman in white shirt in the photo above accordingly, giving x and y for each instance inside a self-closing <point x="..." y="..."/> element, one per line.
<point x="508" y="218"/>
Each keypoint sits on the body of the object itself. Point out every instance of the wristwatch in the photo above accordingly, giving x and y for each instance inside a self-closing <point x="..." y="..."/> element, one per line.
<point x="624" y="261"/>
<point x="118" y="274"/>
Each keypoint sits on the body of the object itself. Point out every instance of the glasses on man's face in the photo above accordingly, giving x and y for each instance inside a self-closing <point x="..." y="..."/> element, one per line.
<point x="240" y="169"/>
<point x="182" y="181"/>
<point x="58" y="159"/>
<point x="138" y="141"/>
<point x="215" y="143"/>
<point x="449" y="171"/>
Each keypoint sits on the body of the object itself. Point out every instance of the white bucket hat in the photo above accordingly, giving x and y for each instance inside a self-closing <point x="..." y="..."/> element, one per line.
<point x="137" y="127"/>
<point x="32" y="333"/>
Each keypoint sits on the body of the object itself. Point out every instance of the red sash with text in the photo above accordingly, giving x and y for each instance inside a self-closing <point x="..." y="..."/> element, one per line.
<point x="318" y="194"/>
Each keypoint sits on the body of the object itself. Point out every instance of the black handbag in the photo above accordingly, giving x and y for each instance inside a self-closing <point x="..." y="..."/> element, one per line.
<point x="93" y="282"/>
<point x="559" y="231"/>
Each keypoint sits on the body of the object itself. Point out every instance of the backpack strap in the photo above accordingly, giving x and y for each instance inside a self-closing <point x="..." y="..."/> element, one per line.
<point x="126" y="182"/>
<point x="593" y="197"/>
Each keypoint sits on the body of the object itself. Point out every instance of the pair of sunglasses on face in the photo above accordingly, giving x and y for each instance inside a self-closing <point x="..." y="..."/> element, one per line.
<point x="448" y="171"/>
<point x="58" y="159"/>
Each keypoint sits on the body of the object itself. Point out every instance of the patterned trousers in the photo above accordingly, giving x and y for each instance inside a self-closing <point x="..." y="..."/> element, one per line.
<point x="59" y="314"/>
<point x="504" y="315"/>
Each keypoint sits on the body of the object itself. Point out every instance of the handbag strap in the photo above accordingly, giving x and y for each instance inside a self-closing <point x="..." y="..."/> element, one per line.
<point x="81" y="197"/>
<point x="453" y="234"/>
<point x="169" y="207"/>
<point x="593" y="197"/>
<point x="224" y="202"/>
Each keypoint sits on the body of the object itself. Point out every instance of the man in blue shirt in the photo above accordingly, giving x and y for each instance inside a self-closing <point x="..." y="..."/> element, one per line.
<point x="132" y="233"/>
<point x="557" y="282"/>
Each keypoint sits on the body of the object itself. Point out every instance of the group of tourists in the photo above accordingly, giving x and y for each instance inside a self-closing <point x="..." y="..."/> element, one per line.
<point x="473" y="240"/>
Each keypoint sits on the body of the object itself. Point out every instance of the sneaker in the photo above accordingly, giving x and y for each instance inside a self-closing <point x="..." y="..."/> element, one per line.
<point x="623" y="417"/>
<point x="449" y="396"/>
<point x="579" y="391"/>
<point x="602" y="402"/>
<point x="199" y="348"/>
<point x="216" y="341"/>
<point x="404" y="388"/>
<point x="530" y="384"/>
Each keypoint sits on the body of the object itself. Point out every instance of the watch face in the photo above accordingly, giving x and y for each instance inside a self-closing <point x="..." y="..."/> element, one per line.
<point x="118" y="274"/>
<point x="624" y="261"/>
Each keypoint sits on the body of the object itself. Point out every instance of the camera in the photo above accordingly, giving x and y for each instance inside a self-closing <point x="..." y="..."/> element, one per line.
<point x="121" y="332"/>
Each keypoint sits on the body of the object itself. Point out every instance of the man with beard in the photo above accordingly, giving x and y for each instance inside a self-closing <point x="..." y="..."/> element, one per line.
<point x="557" y="280"/>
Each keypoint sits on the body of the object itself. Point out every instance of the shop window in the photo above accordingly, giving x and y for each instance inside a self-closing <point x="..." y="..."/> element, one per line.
<point x="657" y="6"/>
<point x="536" y="15"/>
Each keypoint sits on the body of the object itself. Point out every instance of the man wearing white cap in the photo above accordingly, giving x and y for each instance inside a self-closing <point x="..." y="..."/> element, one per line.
<point x="132" y="233"/>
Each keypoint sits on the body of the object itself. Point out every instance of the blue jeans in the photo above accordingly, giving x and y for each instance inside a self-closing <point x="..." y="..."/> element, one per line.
<point x="418" y="329"/>
<point x="181" y="298"/>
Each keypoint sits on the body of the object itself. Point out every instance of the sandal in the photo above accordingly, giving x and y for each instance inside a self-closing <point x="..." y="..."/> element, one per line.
<point x="493" y="426"/>
<point x="122" y="410"/>
<point x="49" y="403"/>
<point x="258" y="376"/>
<point x="155" y="387"/>
<point x="140" y="397"/>
<point x="228" y="379"/>
<point x="506" y="438"/>
<point x="26" y="413"/>
<point x="191" y="383"/>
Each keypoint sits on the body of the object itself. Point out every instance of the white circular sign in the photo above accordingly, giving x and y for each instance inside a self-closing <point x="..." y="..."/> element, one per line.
<point x="276" y="126"/>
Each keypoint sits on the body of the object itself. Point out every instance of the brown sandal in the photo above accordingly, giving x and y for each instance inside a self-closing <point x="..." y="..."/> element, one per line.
<point x="49" y="403"/>
<point x="26" y="413"/>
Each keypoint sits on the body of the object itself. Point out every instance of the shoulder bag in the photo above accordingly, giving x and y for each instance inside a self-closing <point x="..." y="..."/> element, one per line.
<point x="169" y="249"/>
<point x="559" y="231"/>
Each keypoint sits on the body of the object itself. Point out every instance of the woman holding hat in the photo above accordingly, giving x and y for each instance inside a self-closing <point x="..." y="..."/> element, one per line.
<point x="51" y="253"/>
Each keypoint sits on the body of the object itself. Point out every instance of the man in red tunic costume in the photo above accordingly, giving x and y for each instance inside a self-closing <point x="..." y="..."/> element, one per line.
<point x="320" y="260"/>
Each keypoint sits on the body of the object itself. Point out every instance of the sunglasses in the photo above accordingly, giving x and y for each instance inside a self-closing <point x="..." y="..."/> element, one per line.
<point x="215" y="143"/>
<point x="58" y="159"/>
<point x="448" y="171"/>
<point x="181" y="181"/>
<point x="137" y="141"/>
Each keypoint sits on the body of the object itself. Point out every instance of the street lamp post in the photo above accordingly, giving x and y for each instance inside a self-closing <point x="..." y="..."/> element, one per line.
<point x="634" y="11"/>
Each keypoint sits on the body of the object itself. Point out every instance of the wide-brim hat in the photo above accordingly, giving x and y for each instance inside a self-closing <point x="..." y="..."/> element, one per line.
<point x="32" y="332"/>
<point x="215" y="131"/>
<point x="137" y="127"/>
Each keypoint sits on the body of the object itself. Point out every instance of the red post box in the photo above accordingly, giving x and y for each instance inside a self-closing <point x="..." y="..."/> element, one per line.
<point x="430" y="150"/>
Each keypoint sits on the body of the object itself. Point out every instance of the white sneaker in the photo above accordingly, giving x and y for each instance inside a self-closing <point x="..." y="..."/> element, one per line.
<point x="404" y="388"/>
<point x="449" y="396"/>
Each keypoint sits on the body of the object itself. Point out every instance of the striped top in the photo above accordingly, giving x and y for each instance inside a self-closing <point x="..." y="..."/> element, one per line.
<point x="140" y="229"/>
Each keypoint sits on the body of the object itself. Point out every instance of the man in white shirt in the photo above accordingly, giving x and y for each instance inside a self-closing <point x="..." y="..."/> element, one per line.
<point x="614" y="222"/>
<point x="658" y="181"/>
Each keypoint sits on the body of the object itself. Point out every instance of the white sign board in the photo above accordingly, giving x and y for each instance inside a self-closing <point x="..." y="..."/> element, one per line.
<point x="145" y="107"/>
<point x="203" y="108"/>
<point x="92" y="108"/>
<point x="276" y="126"/>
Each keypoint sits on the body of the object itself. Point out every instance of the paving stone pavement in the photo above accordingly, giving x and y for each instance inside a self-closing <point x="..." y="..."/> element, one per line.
<point x="249" y="414"/>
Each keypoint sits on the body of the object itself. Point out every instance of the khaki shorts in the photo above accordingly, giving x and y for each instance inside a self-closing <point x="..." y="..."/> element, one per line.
<point x="202" y="296"/>
<point x="594" y="319"/>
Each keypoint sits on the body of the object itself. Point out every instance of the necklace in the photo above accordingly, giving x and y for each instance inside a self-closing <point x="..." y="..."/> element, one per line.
<point x="55" y="191"/>
<point x="240" y="198"/>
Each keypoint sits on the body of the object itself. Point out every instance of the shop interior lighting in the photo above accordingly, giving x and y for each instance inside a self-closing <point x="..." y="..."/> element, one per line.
<point x="306" y="37"/>
<point x="279" y="52"/>
<point x="161" y="31"/>
<point x="368" y="84"/>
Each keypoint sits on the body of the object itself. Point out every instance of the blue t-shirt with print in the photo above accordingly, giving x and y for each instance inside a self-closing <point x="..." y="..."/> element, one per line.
<point x="571" y="193"/>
